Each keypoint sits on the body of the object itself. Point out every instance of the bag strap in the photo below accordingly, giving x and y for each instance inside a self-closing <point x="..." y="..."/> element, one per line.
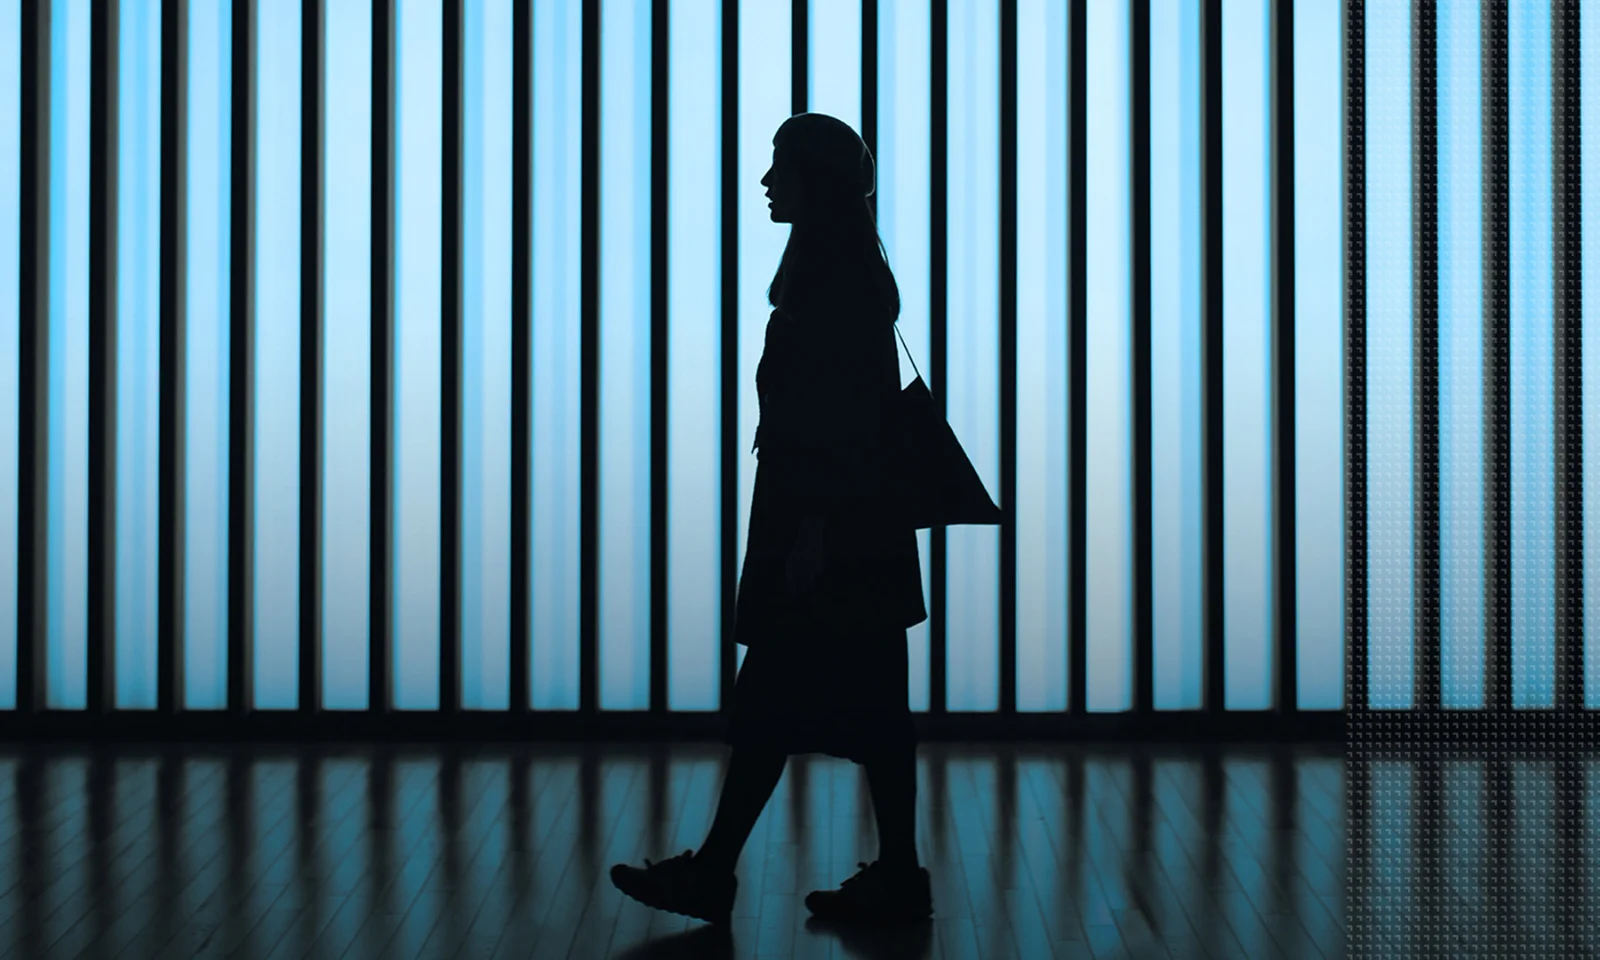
<point x="908" y="351"/>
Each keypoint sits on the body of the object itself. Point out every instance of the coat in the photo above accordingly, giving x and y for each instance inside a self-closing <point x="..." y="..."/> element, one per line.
<point x="825" y="386"/>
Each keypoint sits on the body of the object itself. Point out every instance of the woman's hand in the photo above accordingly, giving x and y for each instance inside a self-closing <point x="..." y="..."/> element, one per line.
<point x="805" y="560"/>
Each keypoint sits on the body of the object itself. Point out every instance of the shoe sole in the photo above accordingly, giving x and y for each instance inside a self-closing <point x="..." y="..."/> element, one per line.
<point x="719" y="919"/>
<point x="848" y="915"/>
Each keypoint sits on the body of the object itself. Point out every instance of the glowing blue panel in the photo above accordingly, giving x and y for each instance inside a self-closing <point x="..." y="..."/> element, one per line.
<point x="625" y="355"/>
<point x="1247" y="346"/>
<point x="1590" y="138"/>
<point x="1460" y="354"/>
<point x="486" y="360"/>
<point x="1109" y="281"/>
<point x="834" y="73"/>
<point x="347" y="353"/>
<point x="1042" y="477"/>
<point x="1319" y="356"/>
<point x="138" y="350"/>
<point x="418" y="111"/>
<point x="67" y="512"/>
<point x="904" y="181"/>
<point x="10" y="331"/>
<point x="1389" y="355"/>
<point x="1176" y="428"/>
<point x="972" y="331"/>
<point x="764" y="80"/>
<point x="1533" y="516"/>
<point x="694" y="350"/>
<point x="557" y="238"/>
<point x="207" y="352"/>
<point x="276" y="406"/>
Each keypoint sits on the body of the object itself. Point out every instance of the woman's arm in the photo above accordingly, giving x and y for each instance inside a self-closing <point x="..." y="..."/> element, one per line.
<point x="840" y="407"/>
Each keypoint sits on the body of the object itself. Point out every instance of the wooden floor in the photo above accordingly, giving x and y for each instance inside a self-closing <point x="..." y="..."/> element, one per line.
<point x="1035" y="852"/>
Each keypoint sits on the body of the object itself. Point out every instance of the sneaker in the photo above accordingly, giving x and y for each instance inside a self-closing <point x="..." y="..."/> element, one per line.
<point x="879" y="893"/>
<point x="679" y="885"/>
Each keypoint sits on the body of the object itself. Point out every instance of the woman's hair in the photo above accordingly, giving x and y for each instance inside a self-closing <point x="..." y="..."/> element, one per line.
<point x="835" y="259"/>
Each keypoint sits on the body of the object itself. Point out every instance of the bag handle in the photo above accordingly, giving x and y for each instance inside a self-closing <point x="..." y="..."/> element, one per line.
<point x="908" y="351"/>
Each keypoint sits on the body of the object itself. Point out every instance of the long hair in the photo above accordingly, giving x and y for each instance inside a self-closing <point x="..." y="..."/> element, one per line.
<point x="835" y="260"/>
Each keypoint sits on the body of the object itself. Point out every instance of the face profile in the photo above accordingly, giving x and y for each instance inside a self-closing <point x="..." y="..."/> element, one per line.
<point x="783" y="187"/>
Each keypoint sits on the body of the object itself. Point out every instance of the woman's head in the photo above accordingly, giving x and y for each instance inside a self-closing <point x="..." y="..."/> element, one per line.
<point x="821" y="176"/>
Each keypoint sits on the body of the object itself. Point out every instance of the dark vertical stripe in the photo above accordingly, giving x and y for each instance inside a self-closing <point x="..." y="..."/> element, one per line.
<point x="1567" y="202"/>
<point x="799" y="54"/>
<point x="174" y="233"/>
<point x="938" y="273"/>
<point x="731" y="449"/>
<point x="1285" y="633"/>
<point x="1211" y="347"/>
<point x="102" y="595"/>
<point x="311" y="357"/>
<point x="33" y="368"/>
<point x="380" y="675"/>
<point x="1425" y="366"/>
<point x="521" y="350"/>
<point x="1355" y="371"/>
<point x="1139" y="258"/>
<point x="241" y="373"/>
<point x="450" y="286"/>
<point x="659" y="85"/>
<point x="1078" y="298"/>
<point x="1008" y="354"/>
<point x="589" y="404"/>
<point x="1496" y="356"/>
<point x="869" y="85"/>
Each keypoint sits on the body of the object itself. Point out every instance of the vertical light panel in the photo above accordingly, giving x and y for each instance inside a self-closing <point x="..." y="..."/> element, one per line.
<point x="1176" y="428"/>
<point x="1247" y="360"/>
<point x="10" y="334"/>
<point x="1109" y="286"/>
<point x="347" y="353"/>
<point x="1590" y="239"/>
<point x="624" y="615"/>
<point x="972" y="393"/>
<point x="1319" y="356"/>
<point x="1533" y="517"/>
<point x="834" y="49"/>
<point x="904" y="182"/>
<point x="1389" y="354"/>
<point x="764" y="58"/>
<point x="276" y="404"/>
<point x="1041" y="507"/>
<point x="694" y="348"/>
<point x="486" y="359"/>
<point x="67" y="520"/>
<point x="1460" y="131"/>
<point x="138" y="349"/>
<point x="419" y="158"/>
<point x="557" y="225"/>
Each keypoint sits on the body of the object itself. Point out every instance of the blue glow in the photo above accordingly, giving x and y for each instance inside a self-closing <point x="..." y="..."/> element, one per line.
<point x="1176" y="428"/>
<point x="207" y="356"/>
<point x="1389" y="355"/>
<point x="1319" y="355"/>
<point x="624" y="588"/>
<point x="904" y="181"/>
<point x="1042" y="370"/>
<point x="1460" y="134"/>
<point x="347" y="354"/>
<point x="1590" y="139"/>
<point x="764" y="79"/>
<point x="486" y="360"/>
<point x="834" y="73"/>
<point x="557" y="237"/>
<point x="1533" y="518"/>
<point x="1247" y="344"/>
<point x="1108" y="581"/>
<point x="972" y="330"/>
<point x="694" y="350"/>
<point x="10" y="332"/>
<point x="276" y="405"/>
<point x="418" y="112"/>
<point x="138" y="350"/>
<point x="67" y="516"/>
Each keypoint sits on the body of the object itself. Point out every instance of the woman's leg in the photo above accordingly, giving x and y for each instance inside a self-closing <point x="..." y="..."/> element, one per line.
<point x="892" y="778"/>
<point x="752" y="775"/>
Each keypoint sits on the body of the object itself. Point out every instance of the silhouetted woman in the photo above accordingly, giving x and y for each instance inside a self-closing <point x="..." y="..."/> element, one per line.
<point x="831" y="578"/>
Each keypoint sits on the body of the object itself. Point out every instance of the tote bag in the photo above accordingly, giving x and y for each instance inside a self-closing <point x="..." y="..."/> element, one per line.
<point x="935" y="483"/>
